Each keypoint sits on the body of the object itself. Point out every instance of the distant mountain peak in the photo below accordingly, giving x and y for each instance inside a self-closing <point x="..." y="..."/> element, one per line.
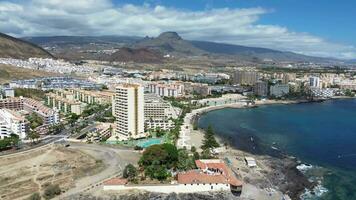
<point x="170" y="35"/>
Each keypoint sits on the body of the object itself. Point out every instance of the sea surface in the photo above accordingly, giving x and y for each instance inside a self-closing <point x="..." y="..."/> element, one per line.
<point x="321" y="134"/>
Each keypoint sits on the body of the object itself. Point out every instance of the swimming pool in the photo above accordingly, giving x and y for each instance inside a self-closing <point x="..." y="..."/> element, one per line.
<point x="149" y="142"/>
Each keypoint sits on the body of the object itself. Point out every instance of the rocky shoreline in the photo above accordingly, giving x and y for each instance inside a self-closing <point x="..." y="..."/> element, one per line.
<point x="282" y="171"/>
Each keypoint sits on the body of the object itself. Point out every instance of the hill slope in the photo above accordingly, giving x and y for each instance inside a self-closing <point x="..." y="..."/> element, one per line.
<point x="11" y="47"/>
<point x="140" y="55"/>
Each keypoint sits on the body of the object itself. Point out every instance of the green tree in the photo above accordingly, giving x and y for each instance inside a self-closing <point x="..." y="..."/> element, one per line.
<point x="33" y="136"/>
<point x="130" y="172"/>
<point x="206" y="154"/>
<point x="35" y="120"/>
<point x="196" y="156"/>
<point x="209" y="141"/>
<point x="185" y="162"/>
<point x="9" y="142"/>
<point x="156" y="159"/>
<point x="51" y="191"/>
<point x="73" y="118"/>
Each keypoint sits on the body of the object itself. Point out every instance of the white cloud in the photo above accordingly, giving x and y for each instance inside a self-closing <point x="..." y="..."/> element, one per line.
<point x="102" y="17"/>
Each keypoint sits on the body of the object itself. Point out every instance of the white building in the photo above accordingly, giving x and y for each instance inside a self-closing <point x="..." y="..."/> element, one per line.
<point x="129" y="111"/>
<point x="314" y="82"/>
<point x="211" y="176"/>
<point x="12" y="123"/>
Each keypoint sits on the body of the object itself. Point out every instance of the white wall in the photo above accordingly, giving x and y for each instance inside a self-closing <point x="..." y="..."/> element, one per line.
<point x="177" y="188"/>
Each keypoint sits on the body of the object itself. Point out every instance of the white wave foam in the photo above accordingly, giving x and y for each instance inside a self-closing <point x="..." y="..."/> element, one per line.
<point x="304" y="167"/>
<point x="318" y="191"/>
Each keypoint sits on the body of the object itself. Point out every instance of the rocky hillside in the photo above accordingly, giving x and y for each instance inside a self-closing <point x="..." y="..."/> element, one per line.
<point x="11" y="47"/>
<point x="140" y="55"/>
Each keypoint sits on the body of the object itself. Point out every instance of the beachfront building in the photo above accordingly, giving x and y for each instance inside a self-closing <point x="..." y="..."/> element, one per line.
<point x="324" y="93"/>
<point x="211" y="176"/>
<point x="279" y="90"/>
<point x="65" y="102"/>
<point x="245" y="77"/>
<point x="261" y="88"/>
<point x="12" y="122"/>
<point x="129" y="111"/>
<point x="314" y="82"/>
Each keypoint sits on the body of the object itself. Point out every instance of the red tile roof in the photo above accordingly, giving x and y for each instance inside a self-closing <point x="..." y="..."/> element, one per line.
<point x="195" y="176"/>
<point x="116" y="181"/>
<point x="201" y="176"/>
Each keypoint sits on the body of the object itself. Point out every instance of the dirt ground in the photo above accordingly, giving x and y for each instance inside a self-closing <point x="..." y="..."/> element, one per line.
<point x="24" y="174"/>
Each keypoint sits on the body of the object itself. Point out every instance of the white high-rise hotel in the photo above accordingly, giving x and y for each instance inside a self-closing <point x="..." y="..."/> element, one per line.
<point x="129" y="111"/>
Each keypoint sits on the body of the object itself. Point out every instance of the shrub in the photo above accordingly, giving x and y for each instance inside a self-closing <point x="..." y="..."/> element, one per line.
<point x="51" y="191"/>
<point x="130" y="172"/>
<point x="35" y="196"/>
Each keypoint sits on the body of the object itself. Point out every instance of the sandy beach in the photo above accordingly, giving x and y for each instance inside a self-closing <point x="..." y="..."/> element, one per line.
<point x="273" y="177"/>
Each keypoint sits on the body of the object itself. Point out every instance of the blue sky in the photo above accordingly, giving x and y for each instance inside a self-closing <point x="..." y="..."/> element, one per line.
<point x="331" y="19"/>
<point x="312" y="27"/>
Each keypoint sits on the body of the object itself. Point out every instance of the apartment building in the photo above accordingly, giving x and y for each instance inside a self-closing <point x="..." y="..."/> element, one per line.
<point x="91" y="97"/>
<point x="12" y="103"/>
<point x="245" y="77"/>
<point x="12" y="122"/>
<point x="129" y="111"/>
<point x="158" y="113"/>
<point x="64" y="102"/>
<point x="48" y="115"/>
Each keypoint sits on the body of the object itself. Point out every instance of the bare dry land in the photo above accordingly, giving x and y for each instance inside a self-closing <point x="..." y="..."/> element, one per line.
<point x="9" y="73"/>
<point x="24" y="174"/>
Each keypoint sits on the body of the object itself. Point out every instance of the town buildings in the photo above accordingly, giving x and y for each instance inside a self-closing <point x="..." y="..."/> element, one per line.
<point x="129" y="111"/>
<point x="166" y="89"/>
<point x="6" y="92"/>
<point x="50" y="83"/>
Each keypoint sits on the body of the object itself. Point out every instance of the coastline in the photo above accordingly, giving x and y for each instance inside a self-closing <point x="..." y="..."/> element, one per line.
<point x="277" y="170"/>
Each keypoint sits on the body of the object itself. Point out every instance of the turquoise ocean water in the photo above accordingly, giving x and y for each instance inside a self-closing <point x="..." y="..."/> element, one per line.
<point x="320" y="134"/>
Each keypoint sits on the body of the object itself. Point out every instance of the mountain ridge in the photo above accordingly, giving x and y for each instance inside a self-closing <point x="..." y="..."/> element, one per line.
<point x="173" y="44"/>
